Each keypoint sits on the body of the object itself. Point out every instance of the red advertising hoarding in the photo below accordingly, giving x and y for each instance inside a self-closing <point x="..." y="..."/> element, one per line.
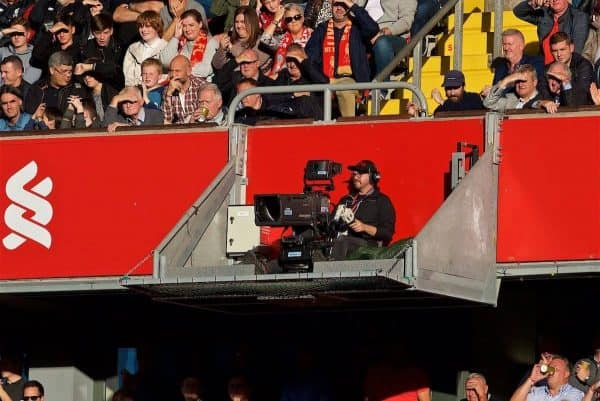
<point x="549" y="190"/>
<point x="89" y="206"/>
<point x="412" y="157"/>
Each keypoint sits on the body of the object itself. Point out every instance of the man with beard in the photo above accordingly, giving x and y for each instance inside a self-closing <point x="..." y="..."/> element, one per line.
<point x="457" y="99"/>
<point x="374" y="217"/>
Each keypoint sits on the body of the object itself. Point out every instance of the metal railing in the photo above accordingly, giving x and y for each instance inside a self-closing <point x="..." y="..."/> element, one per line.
<point x="415" y="46"/>
<point x="328" y="90"/>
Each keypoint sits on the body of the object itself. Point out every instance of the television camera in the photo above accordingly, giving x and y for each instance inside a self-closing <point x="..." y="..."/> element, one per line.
<point x="308" y="214"/>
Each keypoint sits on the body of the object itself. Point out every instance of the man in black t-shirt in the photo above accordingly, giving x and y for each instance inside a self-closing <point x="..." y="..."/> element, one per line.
<point x="373" y="215"/>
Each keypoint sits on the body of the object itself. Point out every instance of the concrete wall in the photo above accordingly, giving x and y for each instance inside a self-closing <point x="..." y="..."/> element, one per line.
<point x="64" y="383"/>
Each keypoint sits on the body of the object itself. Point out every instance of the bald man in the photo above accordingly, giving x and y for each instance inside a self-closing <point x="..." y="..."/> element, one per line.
<point x="182" y="96"/>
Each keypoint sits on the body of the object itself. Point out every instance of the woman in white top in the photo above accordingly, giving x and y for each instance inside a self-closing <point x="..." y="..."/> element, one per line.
<point x="150" y="27"/>
<point x="192" y="40"/>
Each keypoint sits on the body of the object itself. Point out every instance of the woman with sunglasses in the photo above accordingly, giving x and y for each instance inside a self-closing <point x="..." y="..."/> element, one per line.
<point x="245" y="35"/>
<point x="192" y="40"/>
<point x="19" y="46"/>
<point x="150" y="27"/>
<point x="295" y="32"/>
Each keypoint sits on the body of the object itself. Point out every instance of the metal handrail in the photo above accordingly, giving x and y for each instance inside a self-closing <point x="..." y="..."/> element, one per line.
<point x="415" y="47"/>
<point x="406" y="50"/>
<point x="327" y="90"/>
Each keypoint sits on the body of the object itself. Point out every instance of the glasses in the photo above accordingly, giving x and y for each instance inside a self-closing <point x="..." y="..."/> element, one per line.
<point x="13" y="34"/>
<point x="63" y="71"/>
<point x="340" y="4"/>
<point x="32" y="398"/>
<point x="296" y="17"/>
<point x="248" y="62"/>
<point x="61" y="31"/>
<point x="356" y="172"/>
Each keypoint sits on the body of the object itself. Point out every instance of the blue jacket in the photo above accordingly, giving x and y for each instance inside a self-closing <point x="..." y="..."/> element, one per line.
<point x="24" y="123"/>
<point x="573" y="22"/>
<point x="363" y="29"/>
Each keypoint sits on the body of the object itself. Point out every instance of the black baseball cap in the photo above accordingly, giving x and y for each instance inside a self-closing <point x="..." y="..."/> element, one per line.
<point x="363" y="166"/>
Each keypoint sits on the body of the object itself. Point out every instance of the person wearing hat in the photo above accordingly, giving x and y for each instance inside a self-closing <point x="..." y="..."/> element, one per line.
<point x="14" y="119"/>
<point x="457" y="99"/>
<point x="374" y="215"/>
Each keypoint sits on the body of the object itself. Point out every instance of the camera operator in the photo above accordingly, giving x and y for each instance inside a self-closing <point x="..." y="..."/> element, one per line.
<point x="374" y="215"/>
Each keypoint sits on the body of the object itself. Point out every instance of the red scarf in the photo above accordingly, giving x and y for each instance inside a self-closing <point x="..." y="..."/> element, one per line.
<point x="546" y="44"/>
<point x="197" y="50"/>
<point x="286" y="41"/>
<point x="343" y="63"/>
<point x="266" y="17"/>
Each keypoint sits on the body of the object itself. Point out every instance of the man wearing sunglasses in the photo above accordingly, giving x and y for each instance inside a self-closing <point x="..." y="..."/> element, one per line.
<point x="338" y="47"/>
<point x="33" y="391"/>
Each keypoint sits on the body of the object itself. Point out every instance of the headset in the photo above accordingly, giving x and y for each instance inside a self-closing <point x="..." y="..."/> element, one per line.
<point x="374" y="175"/>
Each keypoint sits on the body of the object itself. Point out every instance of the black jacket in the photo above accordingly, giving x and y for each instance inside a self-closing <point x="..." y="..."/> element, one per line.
<point x="45" y="46"/>
<point x="32" y="96"/>
<point x="363" y="29"/>
<point x="227" y="78"/>
<point x="109" y="68"/>
<point x="374" y="209"/>
<point x="63" y="94"/>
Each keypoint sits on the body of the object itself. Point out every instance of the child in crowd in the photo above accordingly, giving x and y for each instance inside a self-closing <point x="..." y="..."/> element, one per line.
<point x="81" y="113"/>
<point x="150" y="28"/>
<point x="152" y="83"/>
<point x="47" y="118"/>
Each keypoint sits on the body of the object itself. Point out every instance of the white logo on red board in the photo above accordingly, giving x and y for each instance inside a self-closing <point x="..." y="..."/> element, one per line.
<point x="33" y="228"/>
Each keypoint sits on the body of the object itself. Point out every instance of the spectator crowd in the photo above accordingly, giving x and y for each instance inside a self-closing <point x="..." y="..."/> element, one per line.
<point x="389" y="377"/>
<point x="113" y="63"/>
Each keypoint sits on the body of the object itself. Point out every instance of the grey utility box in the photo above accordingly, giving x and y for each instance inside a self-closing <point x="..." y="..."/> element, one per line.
<point x="242" y="234"/>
